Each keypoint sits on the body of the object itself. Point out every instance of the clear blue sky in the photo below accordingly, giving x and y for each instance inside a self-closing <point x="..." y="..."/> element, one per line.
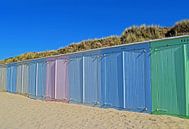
<point x="38" y="25"/>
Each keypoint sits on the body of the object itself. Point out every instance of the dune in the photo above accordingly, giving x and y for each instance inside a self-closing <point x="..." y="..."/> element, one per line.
<point x="19" y="112"/>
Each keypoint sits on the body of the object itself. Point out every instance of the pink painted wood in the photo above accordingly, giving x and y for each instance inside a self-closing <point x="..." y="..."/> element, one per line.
<point x="50" y="87"/>
<point x="61" y="83"/>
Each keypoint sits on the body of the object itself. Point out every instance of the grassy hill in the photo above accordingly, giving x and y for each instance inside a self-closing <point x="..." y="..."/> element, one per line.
<point x="130" y="35"/>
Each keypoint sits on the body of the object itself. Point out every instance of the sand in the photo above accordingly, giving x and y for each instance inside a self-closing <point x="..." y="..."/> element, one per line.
<point x="19" y="112"/>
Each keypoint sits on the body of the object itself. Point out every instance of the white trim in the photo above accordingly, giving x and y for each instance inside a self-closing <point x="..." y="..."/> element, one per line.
<point x="124" y="87"/>
<point x="55" y="78"/>
<point x="22" y="78"/>
<point x="83" y="59"/>
<point x="11" y="79"/>
<point x="36" y="80"/>
<point x="105" y="83"/>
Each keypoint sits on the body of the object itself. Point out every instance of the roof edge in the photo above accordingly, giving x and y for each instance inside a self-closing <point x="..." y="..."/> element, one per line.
<point x="90" y="50"/>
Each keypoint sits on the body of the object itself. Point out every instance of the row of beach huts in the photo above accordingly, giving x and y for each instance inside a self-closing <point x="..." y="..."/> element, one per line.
<point x="151" y="77"/>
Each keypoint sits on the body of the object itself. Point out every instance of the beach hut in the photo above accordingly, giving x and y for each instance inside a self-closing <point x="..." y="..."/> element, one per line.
<point x="75" y="75"/>
<point x="125" y="77"/>
<point x="19" y="79"/>
<point x="61" y="79"/>
<point x="112" y="78"/>
<point x="22" y="78"/>
<point x="37" y="79"/>
<point x="136" y="77"/>
<point x="32" y="79"/>
<point x="169" y="76"/>
<point x="2" y="78"/>
<point x="57" y="79"/>
<point x="41" y="78"/>
<point x="25" y="78"/>
<point x="11" y="78"/>
<point x="50" y="79"/>
<point x="91" y="78"/>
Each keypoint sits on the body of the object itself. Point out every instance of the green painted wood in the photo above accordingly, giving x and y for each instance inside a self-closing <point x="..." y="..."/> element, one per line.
<point x="186" y="59"/>
<point x="169" y="42"/>
<point x="168" y="78"/>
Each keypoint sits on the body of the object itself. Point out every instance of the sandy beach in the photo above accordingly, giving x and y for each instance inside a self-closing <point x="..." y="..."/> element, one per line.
<point x="19" y="112"/>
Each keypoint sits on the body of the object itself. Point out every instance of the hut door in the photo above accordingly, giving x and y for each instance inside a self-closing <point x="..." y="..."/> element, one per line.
<point x="167" y="73"/>
<point x="134" y="83"/>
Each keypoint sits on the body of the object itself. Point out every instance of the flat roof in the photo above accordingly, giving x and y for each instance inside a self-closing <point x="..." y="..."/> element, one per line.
<point x="90" y="50"/>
